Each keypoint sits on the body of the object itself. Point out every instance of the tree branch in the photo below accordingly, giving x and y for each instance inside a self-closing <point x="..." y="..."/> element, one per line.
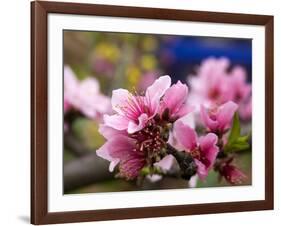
<point x="73" y="145"/>
<point x="84" y="171"/>
<point x="185" y="161"/>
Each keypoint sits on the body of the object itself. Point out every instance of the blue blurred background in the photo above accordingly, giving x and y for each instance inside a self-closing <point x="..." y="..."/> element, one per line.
<point x="180" y="55"/>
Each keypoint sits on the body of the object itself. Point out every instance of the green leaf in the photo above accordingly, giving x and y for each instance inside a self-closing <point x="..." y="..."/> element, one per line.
<point x="239" y="146"/>
<point x="236" y="142"/>
<point x="235" y="129"/>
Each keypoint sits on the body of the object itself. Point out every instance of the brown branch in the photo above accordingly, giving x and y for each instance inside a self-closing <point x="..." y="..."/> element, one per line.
<point x="185" y="161"/>
<point x="74" y="145"/>
<point x="85" y="170"/>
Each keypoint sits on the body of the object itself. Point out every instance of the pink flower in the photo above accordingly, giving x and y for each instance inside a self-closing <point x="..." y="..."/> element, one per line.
<point x="211" y="84"/>
<point x="231" y="173"/>
<point x="90" y="101"/>
<point x="174" y="101"/>
<point x="120" y="149"/>
<point x="134" y="151"/>
<point x="215" y="84"/>
<point x="134" y="111"/>
<point x="203" y="149"/>
<point x="84" y="96"/>
<point x="241" y="90"/>
<point x="218" y="119"/>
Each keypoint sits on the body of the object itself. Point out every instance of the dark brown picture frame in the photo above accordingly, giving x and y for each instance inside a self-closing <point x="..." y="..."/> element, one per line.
<point x="39" y="112"/>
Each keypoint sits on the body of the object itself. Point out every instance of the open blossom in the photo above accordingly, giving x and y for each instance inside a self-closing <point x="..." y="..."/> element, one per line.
<point x="203" y="149"/>
<point x="134" y="151"/>
<point x="214" y="84"/>
<point x="133" y="112"/>
<point x="138" y="132"/>
<point x="84" y="96"/>
<point x="218" y="118"/>
<point x="211" y="84"/>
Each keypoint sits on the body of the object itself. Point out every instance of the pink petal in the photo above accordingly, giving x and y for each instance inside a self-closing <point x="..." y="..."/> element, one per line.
<point x="208" y="148"/>
<point x="208" y="141"/>
<point x="188" y="120"/>
<point x="90" y="86"/>
<point x="70" y="80"/>
<point x="201" y="169"/>
<point x="88" y="111"/>
<point x="102" y="104"/>
<point x="119" y="99"/>
<point x="225" y="114"/>
<point x="131" y="167"/>
<point x="245" y="110"/>
<point x="104" y="153"/>
<point x="118" y="122"/>
<point x="185" y="135"/>
<point x="113" y="164"/>
<point x="90" y="105"/>
<point x="157" y="90"/>
<point x="142" y="120"/>
<point x="207" y="121"/>
<point x="121" y="147"/>
<point x="116" y="149"/>
<point x="193" y="181"/>
<point x="239" y="75"/>
<point x="71" y="85"/>
<point x="165" y="163"/>
<point x="175" y="97"/>
<point x="184" y="110"/>
<point x="109" y="132"/>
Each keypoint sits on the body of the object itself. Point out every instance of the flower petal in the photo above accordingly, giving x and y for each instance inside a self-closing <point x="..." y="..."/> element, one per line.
<point x="175" y="98"/>
<point x="142" y="120"/>
<point x="225" y="114"/>
<point x="119" y="99"/>
<point x="116" y="149"/>
<point x="157" y="90"/>
<point x="118" y="122"/>
<point x="185" y="135"/>
<point x="104" y="153"/>
<point x="201" y="169"/>
<point x="109" y="132"/>
<point x="165" y="163"/>
<point x="113" y="163"/>
<point x="185" y="110"/>
<point x="188" y="120"/>
<point x="90" y="86"/>
<point x="70" y="80"/>
<point x="209" y="149"/>
<point x="71" y="85"/>
<point x="207" y="121"/>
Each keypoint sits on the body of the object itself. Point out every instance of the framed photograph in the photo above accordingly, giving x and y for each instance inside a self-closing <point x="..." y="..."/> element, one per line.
<point x="147" y="112"/>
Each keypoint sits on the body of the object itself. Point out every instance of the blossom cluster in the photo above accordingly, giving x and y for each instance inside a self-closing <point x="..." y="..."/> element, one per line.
<point x="215" y="84"/>
<point x="150" y="131"/>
